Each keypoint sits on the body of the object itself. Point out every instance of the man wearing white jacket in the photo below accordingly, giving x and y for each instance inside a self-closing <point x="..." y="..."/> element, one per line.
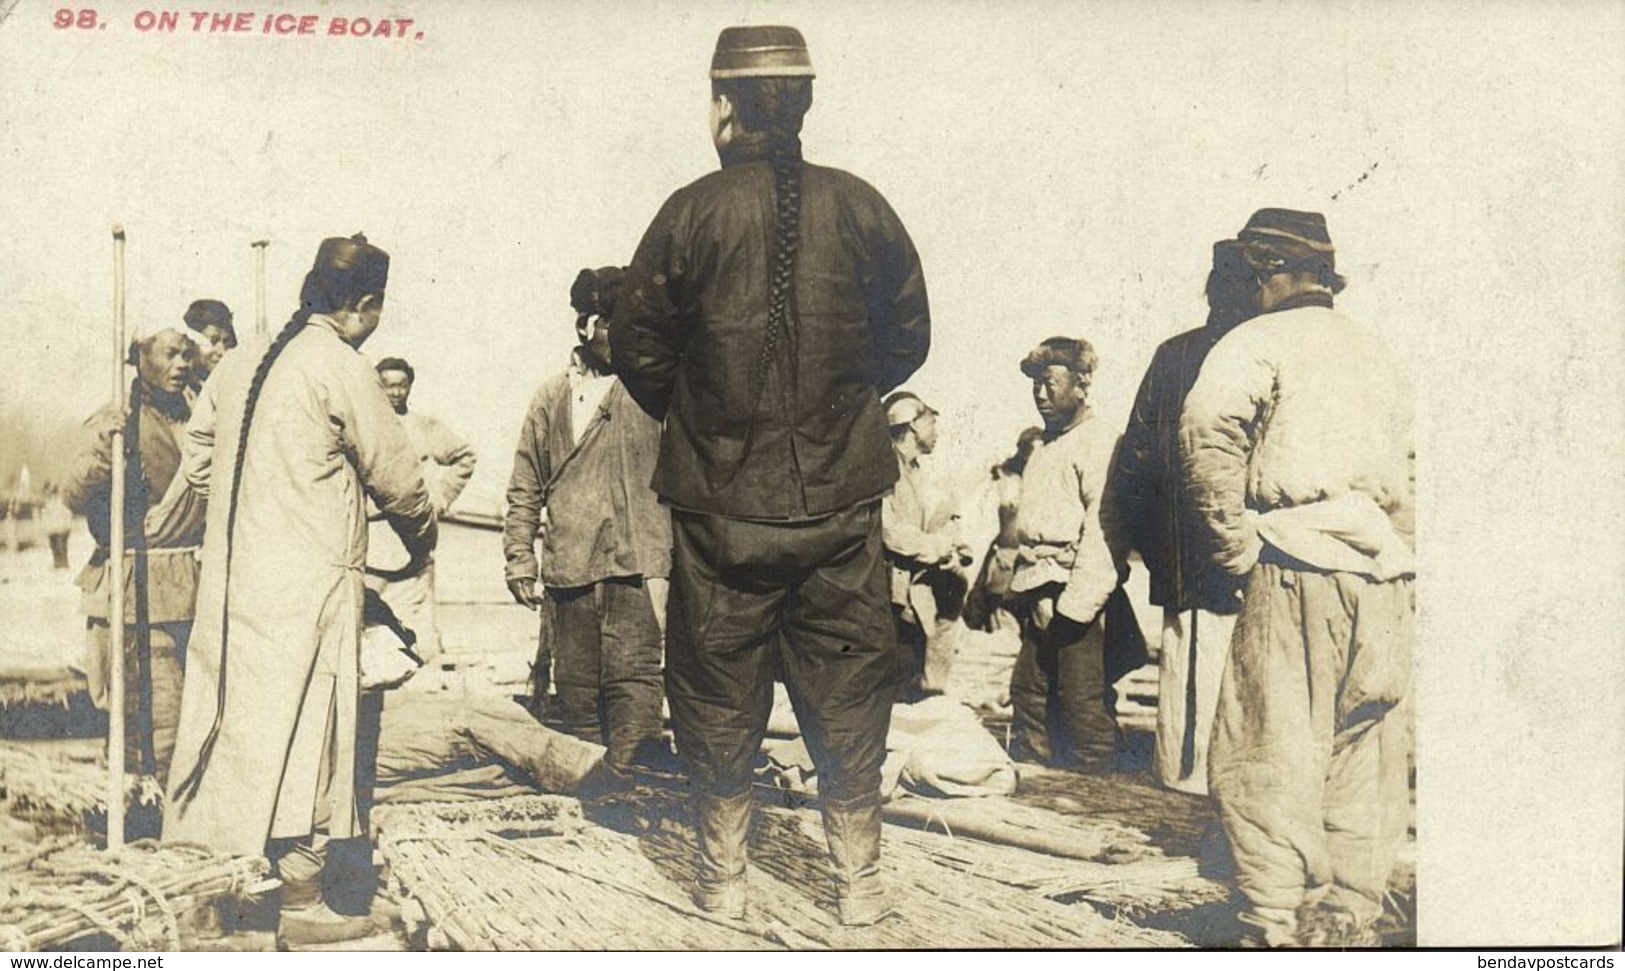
<point x="1296" y="443"/>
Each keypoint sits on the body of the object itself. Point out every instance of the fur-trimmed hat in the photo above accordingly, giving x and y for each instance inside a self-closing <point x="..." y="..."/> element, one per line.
<point x="1073" y="353"/>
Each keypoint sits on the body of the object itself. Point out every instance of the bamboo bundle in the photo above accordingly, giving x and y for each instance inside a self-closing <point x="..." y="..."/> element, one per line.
<point x="1012" y="824"/>
<point x="137" y="898"/>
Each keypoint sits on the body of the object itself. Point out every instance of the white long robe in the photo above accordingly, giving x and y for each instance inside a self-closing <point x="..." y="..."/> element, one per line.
<point x="323" y="438"/>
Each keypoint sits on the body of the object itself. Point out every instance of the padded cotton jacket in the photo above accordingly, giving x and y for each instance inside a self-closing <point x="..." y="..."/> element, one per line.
<point x="805" y="437"/>
<point x="1295" y="407"/>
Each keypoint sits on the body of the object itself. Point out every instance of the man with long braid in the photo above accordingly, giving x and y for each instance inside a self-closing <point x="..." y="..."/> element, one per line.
<point x="298" y="436"/>
<point x="768" y="308"/>
<point x="161" y="571"/>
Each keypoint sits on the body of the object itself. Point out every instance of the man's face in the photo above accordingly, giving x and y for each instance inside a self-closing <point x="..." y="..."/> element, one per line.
<point x="721" y="121"/>
<point x="925" y="432"/>
<point x="355" y="326"/>
<point x="165" y="364"/>
<point x="594" y="337"/>
<point x="213" y="343"/>
<point x="1058" y="393"/>
<point x="397" y="388"/>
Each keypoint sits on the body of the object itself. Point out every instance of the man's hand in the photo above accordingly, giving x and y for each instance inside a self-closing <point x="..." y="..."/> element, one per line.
<point x="1137" y="699"/>
<point x="523" y="590"/>
<point x="659" y="591"/>
<point x="1043" y="612"/>
<point x="118" y="421"/>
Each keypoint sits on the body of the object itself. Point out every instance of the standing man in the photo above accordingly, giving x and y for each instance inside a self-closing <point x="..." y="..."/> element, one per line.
<point x="1065" y="571"/>
<point x="1199" y="601"/>
<point x="447" y="461"/>
<point x="928" y="562"/>
<point x="57" y="519"/>
<point x="298" y="436"/>
<point x="770" y="305"/>
<point x="160" y="569"/>
<point x="581" y="482"/>
<point x="210" y="321"/>
<point x="1296" y="442"/>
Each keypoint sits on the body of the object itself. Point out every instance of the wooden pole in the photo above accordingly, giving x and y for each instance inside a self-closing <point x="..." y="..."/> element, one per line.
<point x="261" y="331"/>
<point x="115" y="610"/>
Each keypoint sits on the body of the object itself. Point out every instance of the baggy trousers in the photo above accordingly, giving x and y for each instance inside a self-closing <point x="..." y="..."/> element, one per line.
<point x="159" y="695"/>
<point x="810" y="601"/>
<point x="1311" y="741"/>
<point x="928" y="633"/>
<point x="605" y="643"/>
<point x="1058" y="694"/>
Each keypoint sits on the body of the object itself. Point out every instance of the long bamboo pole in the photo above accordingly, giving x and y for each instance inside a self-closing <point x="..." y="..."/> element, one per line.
<point x="115" y="610"/>
<point x="261" y="330"/>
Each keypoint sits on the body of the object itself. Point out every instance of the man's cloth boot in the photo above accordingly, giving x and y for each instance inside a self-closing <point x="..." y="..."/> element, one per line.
<point x="305" y="920"/>
<point x="722" y="828"/>
<point x="852" y="829"/>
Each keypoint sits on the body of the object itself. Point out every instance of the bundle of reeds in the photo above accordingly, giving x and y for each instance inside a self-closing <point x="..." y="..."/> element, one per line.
<point x="67" y="791"/>
<point x="55" y="687"/>
<point x="137" y="898"/>
<point x="619" y="878"/>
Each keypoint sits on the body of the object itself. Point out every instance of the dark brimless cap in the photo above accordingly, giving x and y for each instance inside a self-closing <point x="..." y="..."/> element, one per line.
<point x="359" y="265"/>
<point x="761" y="52"/>
<point x="595" y="291"/>
<point x="1286" y="239"/>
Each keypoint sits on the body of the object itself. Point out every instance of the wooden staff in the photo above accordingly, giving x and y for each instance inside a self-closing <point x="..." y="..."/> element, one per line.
<point x="115" y="610"/>
<point x="260" y="329"/>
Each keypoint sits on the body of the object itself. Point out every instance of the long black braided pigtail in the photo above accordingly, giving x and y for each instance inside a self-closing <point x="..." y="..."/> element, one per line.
<point x="135" y="530"/>
<point x="189" y="786"/>
<point x="786" y="162"/>
<point x="774" y="107"/>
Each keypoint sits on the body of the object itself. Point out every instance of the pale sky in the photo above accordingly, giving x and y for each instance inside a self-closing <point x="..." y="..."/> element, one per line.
<point x="1062" y="167"/>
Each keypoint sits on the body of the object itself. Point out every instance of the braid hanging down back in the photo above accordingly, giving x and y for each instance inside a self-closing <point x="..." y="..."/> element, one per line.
<point x="189" y="786"/>
<point x="137" y="501"/>
<point x="786" y="162"/>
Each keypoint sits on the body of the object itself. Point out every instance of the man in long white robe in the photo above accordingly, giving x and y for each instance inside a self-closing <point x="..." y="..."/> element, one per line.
<point x="265" y="758"/>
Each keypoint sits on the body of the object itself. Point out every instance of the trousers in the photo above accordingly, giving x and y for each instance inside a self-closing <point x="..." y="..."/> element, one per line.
<point x="1312" y="739"/>
<point x="605" y="644"/>
<point x="1058" y="694"/>
<point x="157" y="698"/>
<point x="808" y="602"/>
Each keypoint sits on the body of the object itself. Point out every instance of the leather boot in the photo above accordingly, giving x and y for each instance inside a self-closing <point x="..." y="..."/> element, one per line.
<point x="722" y="828"/>
<point x="852" y="829"/>
<point x="305" y="919"/>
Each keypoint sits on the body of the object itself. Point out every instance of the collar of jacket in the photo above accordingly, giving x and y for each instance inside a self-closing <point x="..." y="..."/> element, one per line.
<point x="753" y="146"/>
<point x="1309" y="298"/>
<point x="1084" y="414"/>
<point x="174" y="407"/>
